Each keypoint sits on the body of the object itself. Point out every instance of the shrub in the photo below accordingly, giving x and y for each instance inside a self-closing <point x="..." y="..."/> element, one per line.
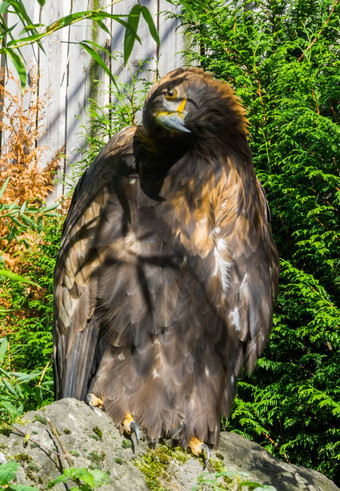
<point x="26" y="244"/>
<point x="28" y="318"/>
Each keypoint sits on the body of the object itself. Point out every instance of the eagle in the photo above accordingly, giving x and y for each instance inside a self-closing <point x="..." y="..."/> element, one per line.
<point x="167" y="272"/>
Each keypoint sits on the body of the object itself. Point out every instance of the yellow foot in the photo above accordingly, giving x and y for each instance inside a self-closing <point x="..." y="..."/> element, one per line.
<point x="94" y="402"/>
<point x="130" y="426"/>
<point x="197" y="447"/>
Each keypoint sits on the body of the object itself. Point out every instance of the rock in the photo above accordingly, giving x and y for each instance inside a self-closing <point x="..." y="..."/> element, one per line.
<point x="93" y="442"/>
<point x="242" y="455"/>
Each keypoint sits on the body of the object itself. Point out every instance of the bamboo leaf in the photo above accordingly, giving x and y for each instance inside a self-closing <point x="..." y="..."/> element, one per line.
<point x="27" y="221"/>
<point x="15" y="277"/>
<point x="100" y="15"/>
<point x="98" y="46"/>
<point x="103" y="27"/>
<point x="3" y="347"/>
<point x="53" y="206"/>
<point x="26" y="377"/>
<point x="20" y="10"/>
<point x="149" y="20"/>
<point x="97" y="58"/>
<point x="9" y="387"/>
<point x="30" y="27"/>
<point x="17" y="222"/>
<point x="3" y="187"/>
<point x="16" y="43"/>
<point x="19" y="65"/>
<point x="6" y="31"/>
<point x="131" y="33"/>
<point x="3" y="7"/>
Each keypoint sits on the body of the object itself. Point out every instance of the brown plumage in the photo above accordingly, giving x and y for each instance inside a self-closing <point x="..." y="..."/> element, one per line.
<point x="167" y="271"/>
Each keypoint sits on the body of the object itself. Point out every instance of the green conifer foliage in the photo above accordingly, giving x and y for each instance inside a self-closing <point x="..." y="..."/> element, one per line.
<point x="282" y="58"/>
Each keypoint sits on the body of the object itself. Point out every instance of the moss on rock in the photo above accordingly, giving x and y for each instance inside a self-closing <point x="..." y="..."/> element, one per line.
<point x="155" y="465"/>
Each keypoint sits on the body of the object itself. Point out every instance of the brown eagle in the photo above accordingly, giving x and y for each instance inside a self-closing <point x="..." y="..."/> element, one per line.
<point x="167" y="271"/>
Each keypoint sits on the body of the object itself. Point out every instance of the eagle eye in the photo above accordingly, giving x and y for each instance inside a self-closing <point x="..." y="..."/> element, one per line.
<point x="171" y="94"/>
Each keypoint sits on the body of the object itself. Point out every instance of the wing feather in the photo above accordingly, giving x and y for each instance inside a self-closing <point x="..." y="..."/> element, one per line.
<point x="250" y="253"/>
<point x="79" y="261"/>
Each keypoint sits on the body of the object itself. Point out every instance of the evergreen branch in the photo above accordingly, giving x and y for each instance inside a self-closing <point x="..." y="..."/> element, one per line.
<point x="319" y="33"/>
<point x="275" y="445"/>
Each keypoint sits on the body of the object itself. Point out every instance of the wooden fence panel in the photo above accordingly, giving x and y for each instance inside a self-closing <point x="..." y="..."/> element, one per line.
<point x="53" y="70"/>
<point x="172" y="39"/>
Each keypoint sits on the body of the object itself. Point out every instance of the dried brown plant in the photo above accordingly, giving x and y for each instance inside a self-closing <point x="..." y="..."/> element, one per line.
<point x="21" y="156"/>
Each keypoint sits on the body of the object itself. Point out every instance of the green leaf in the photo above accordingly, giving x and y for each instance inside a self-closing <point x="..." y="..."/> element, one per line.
<point x="3" y="187"/>
<point x="25" y="377"/>
<point x="131" y="33"/>
<point x="4" y="373"/>
<point x="12" y="410"/>
<point x="6" y="31"/>
<point x="118" y="18"/>
<point x="18" y="223"/>
<point x="67" y="20"/>
<point x="53" y="206"/>
<point x="8" y="472"/>
<point x="27" y="221"/>
<point x="20" y="10"/>
<point x="21" y="487"/>
<point x="103" y="27"/>
<point x="13" y="206"/>
<point x="93" y="478"/>
<point x="3" y="347"/>
<point x="31" y="27"/>
<point x="97" y="58"/>
<point x="3" y="7"/>
<point x="16" y="43"/>
<point x="19" y="65"/>
<point x="15" y="277"/>
<point x="149" y="20"/>
<point x="10" y="388"/>
<point x="71" y="473"/>
<point x="190" y="10"/>
<point x="99" y="477"/>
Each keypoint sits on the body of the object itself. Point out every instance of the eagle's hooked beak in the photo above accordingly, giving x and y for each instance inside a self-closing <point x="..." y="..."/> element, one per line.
<point x="173" y="121"/>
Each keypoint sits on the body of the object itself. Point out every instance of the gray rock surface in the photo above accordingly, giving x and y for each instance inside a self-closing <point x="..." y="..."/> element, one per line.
<point x="93" y="441"/>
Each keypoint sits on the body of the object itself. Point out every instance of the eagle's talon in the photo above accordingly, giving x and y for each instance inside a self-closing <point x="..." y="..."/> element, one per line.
<point x="208" y="454"/>
<point x="197" y="448"/>
<point x="130" y="426"/>
<point x="94" y="402"/>
<point x="135" y="429"/>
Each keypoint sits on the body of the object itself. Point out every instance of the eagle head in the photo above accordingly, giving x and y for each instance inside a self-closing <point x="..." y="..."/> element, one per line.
<point x="190" y="104"/>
